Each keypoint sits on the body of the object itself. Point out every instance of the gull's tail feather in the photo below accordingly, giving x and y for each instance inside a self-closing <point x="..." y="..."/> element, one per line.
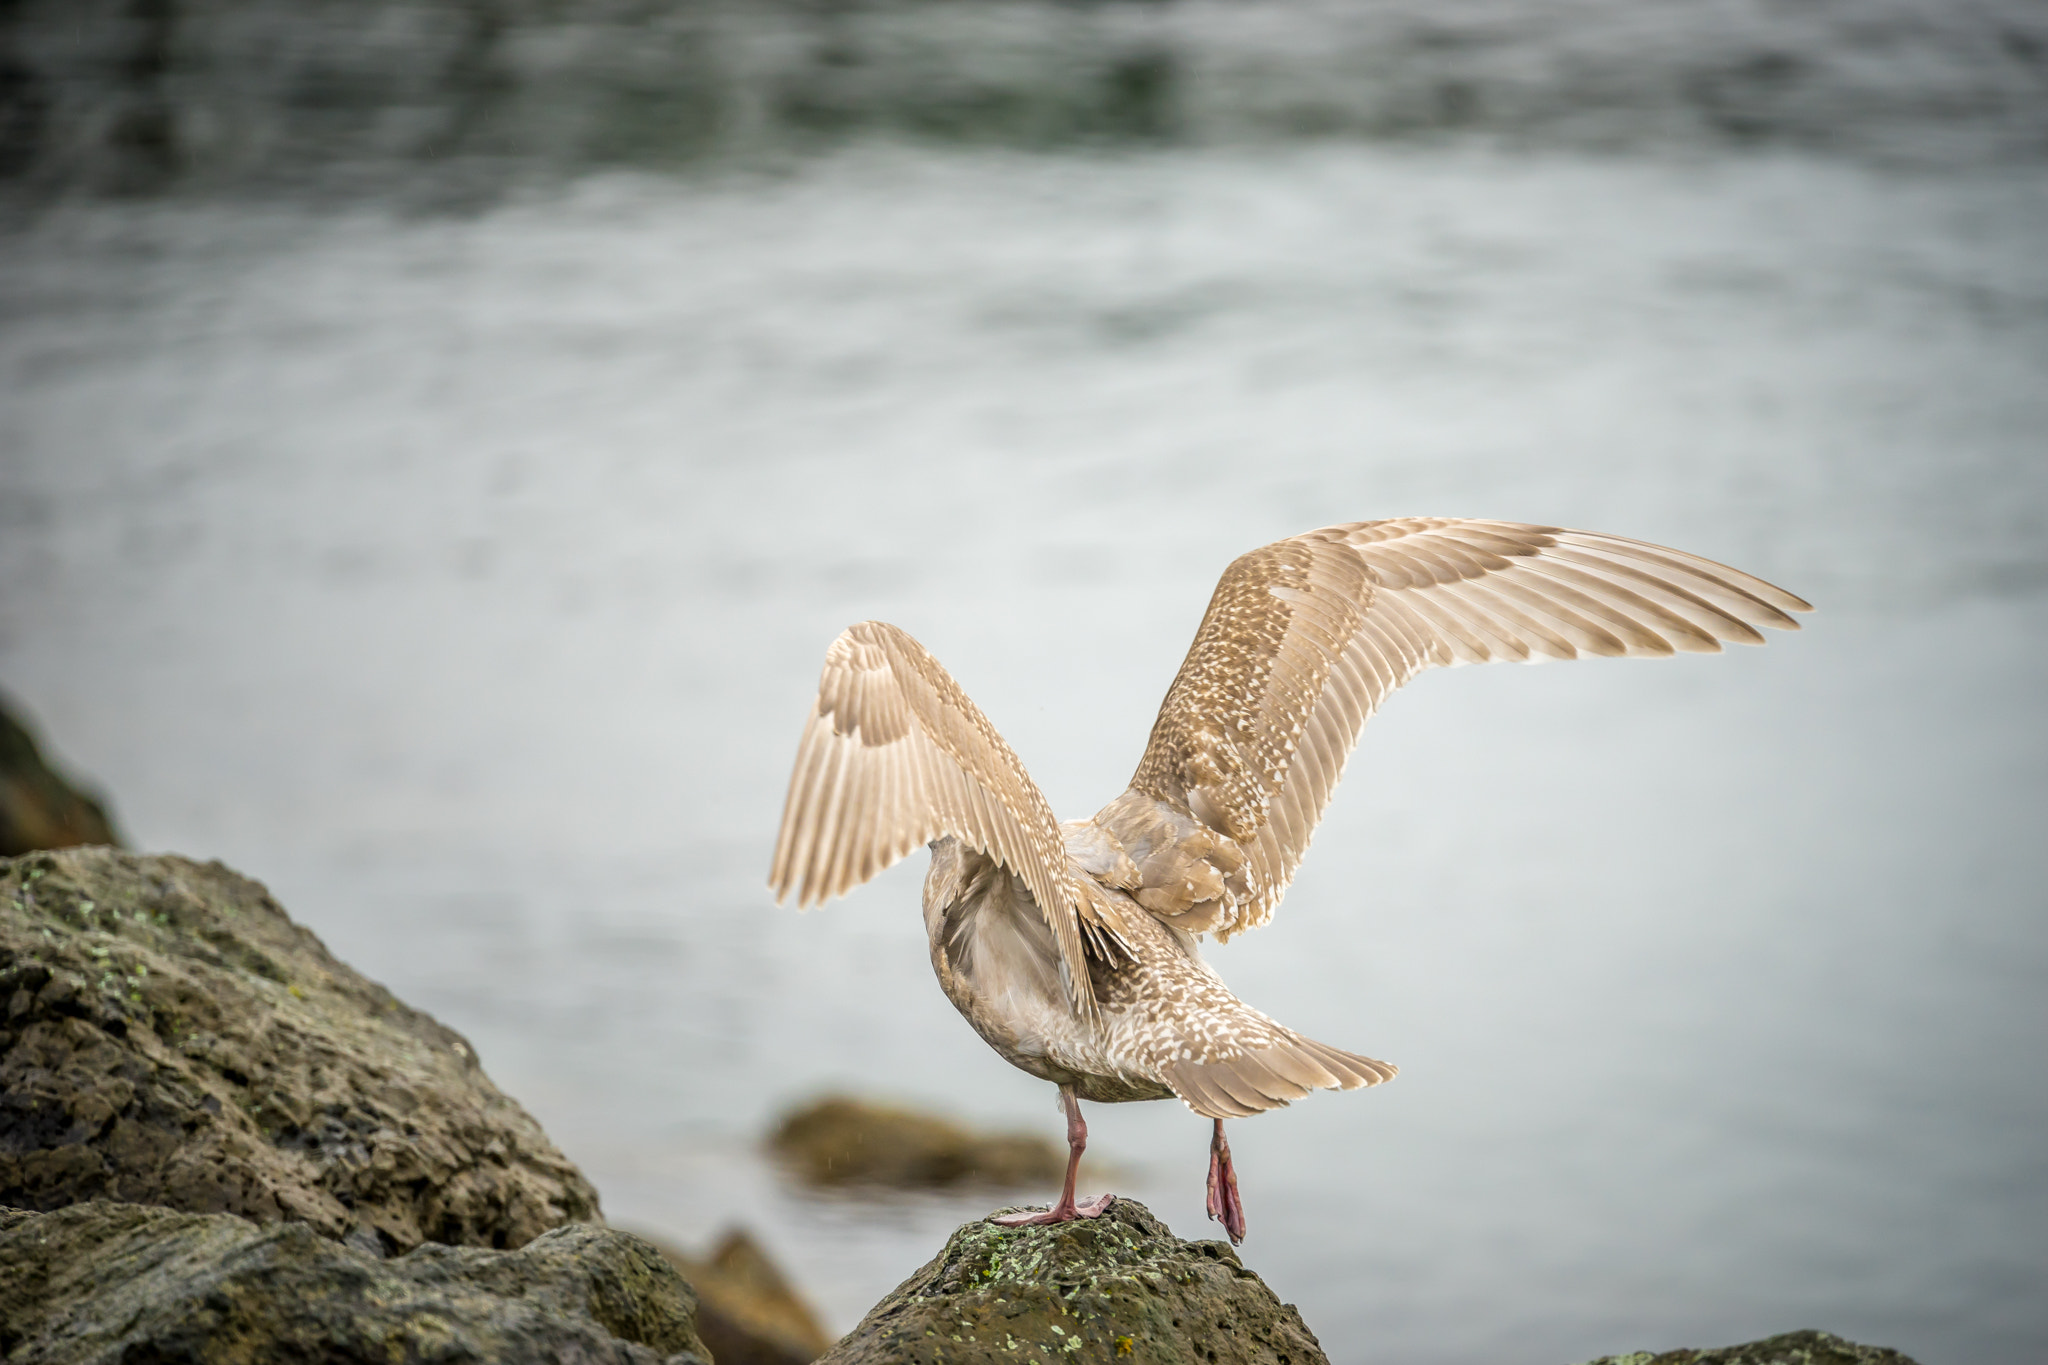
<point x="1269" y="1078"/>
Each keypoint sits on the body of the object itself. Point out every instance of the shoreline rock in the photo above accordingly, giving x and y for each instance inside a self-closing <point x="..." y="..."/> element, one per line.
<point x="1123" y="1288"/>
<point x="102" y="1281"/>
<point x="1116" y="1288"/>
<point x="171" y="1037"/>
<point x="192" y="1086"/>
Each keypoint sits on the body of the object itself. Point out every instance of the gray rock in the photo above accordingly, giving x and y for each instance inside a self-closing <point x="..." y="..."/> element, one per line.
<point x="1790" y="1348"/>
<point x="1115" y="1288"/>
<point x="168" y="1036"/>
<point x="104" y="1282"/>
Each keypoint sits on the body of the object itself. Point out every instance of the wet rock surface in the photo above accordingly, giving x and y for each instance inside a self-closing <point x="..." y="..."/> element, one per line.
<point x="171" y="1037"/>
<point x="1790" y="1348"/>
<point x="839" y="1141"/>
<point x="1116" y="1288"/>
<point x="39" y="808"/>
<point x="104" y="1281"/>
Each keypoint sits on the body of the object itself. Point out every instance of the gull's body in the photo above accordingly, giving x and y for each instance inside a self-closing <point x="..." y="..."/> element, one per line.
<point x="1072" y="949"/>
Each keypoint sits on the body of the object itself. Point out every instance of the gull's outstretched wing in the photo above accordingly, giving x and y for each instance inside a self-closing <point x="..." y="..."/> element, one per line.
<point x="1306" y="637"/>
<point x="893" y="756"/>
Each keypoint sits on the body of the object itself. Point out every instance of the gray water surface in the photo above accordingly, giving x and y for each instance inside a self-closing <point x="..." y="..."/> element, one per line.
<point x="466" y="579"/>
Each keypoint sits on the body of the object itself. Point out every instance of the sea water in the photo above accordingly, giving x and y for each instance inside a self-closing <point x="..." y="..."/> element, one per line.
<point x="465" y="578"/>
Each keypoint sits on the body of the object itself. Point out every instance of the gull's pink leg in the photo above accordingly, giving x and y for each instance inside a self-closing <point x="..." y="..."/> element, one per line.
<point x="1224" y="1205"/>
<point x="1066" y="1209"/>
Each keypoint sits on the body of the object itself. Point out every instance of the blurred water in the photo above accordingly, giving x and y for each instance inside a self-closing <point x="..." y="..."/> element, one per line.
<point x="455" y="97"/>
<point x="466" y="578"/>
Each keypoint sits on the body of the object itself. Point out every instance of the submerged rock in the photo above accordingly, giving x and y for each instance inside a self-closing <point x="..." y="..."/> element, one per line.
<point x="1116" y="1288"/>
<point x="841" y="1141"/>
<point x="171" y="1037"/>
<point x="1791" y="1348"/>
<point x="102" y="1281"/>
<point x="39" y="808"/>
<point x="747" y="1311"/>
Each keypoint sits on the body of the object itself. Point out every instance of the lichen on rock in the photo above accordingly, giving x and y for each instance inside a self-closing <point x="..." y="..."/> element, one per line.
<point x="171" y="1037"/>
<point x="1116" y="1288"/>
<point x="103" y="1281"/>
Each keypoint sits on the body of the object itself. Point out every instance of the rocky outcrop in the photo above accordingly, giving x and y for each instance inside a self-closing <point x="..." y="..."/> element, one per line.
<point x="105" y="1282"/>
<point x="1122" y="1288"/>
<point x="171" y="1037"/>
<point x="747" y="1312"/>
<point x="1115" y="1288"/>
<point x="841" y="1141"/>
<point x="38" y="807"/>
<point x="220" y="1144"/>
<point x="1791" y="1348"/>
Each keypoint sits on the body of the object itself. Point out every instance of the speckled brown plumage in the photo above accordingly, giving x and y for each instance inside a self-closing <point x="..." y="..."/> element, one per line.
<point x="1072" y="949"/>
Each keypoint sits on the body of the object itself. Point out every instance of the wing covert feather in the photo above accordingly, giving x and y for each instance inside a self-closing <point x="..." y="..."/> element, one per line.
<point x="894" y="755"/>
<point x="1306" y="637"/>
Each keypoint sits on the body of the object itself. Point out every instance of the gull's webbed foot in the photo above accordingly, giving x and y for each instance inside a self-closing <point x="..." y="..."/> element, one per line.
<point x="1063" y="1212"/>
<point x="1224" y="1205"/>
<point x="1066" y="1210"/>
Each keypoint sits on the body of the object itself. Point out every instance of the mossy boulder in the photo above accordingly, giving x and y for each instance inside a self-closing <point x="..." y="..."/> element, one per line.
<point x="102" y="1282"/>
<point x="1119" y="1288"/>
<point x="1791" y="1348"/>
<point x="169" y="1036"/>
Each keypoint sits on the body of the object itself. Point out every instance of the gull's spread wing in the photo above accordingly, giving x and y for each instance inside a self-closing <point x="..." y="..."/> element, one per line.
<point x="893" y="756"/>
<point x="1306" y="637"/>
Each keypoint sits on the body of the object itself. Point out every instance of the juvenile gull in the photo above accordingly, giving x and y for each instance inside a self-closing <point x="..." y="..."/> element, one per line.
<point x="1072" y="948"/>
